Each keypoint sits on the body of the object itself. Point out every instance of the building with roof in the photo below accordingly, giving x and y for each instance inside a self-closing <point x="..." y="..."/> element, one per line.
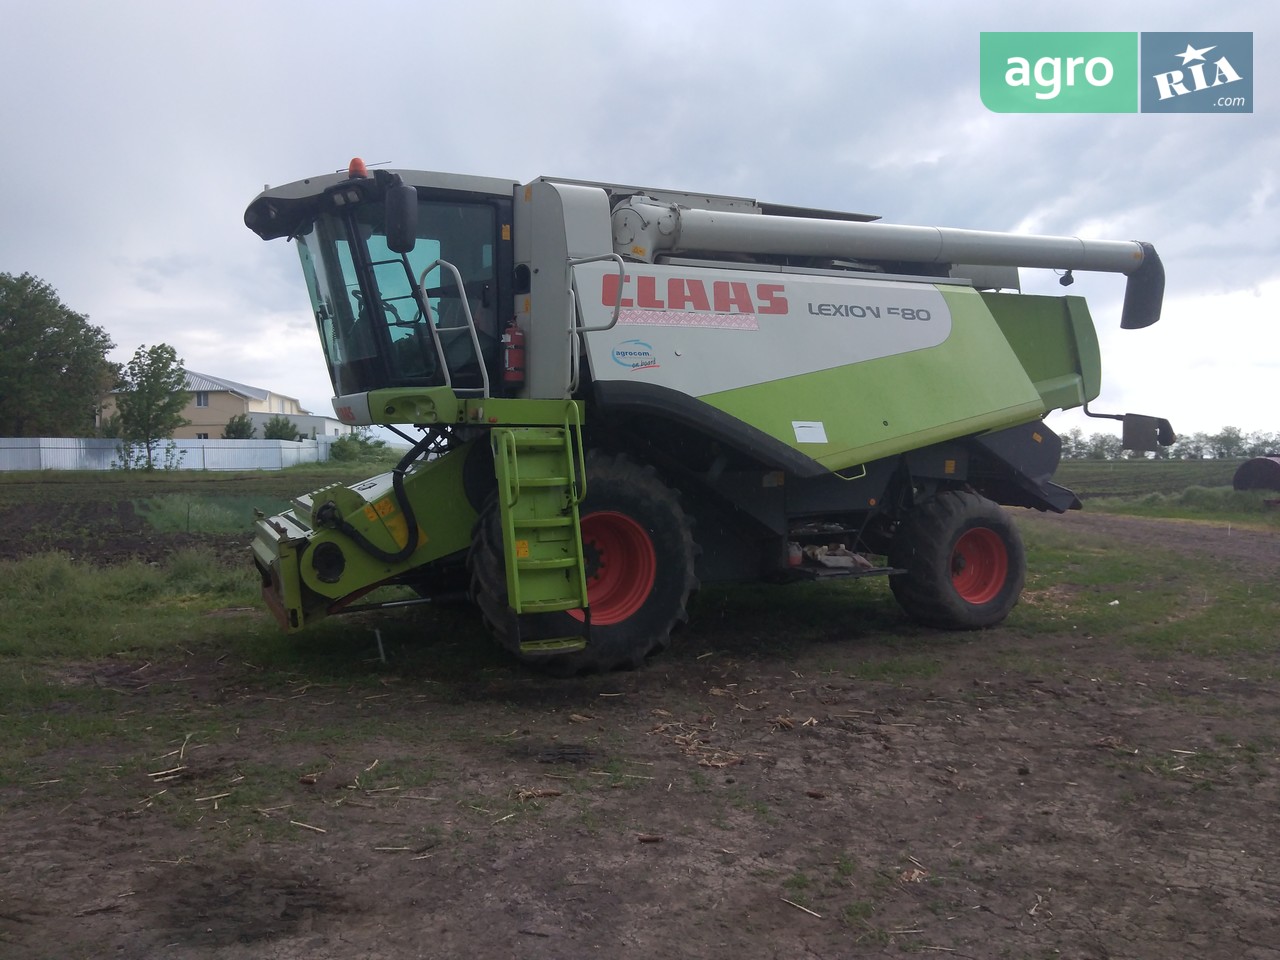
<point x="215" y="400"/>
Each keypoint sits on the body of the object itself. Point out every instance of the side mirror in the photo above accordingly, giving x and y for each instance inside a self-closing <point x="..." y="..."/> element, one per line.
<point x="1142" y="433"/>
<point x="401" y="204"/>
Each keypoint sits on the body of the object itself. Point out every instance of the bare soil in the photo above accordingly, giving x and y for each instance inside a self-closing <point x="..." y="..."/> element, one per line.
<point x="745" y="795"/>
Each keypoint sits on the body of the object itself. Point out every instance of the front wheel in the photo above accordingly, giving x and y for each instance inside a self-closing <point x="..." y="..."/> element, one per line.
<point x="962" y="559"/>
<point x="639" y="556"/>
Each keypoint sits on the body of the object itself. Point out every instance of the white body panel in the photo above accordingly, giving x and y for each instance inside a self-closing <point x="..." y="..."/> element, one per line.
<point x="702" y="331"/>
<point x="353" y="409"/>
<point x="554" y="223"/>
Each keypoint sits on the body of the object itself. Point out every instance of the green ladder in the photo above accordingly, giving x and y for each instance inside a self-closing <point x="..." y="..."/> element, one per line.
<point x="541" y="480"/>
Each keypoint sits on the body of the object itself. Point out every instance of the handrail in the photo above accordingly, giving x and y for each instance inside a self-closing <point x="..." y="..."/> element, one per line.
<point x="470" y="326"/>
<point x="617" y="307"/>
<point x="578" y="463"/>
<point x="576" y="330"/>
<point x="575" y="343"/>
<point x="507" y="453"/>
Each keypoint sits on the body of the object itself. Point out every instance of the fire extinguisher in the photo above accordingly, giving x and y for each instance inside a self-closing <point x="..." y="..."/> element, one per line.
<point x="513" y="354"/>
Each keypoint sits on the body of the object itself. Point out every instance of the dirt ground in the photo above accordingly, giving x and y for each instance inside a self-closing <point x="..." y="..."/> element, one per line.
<point x="742" y="796"/>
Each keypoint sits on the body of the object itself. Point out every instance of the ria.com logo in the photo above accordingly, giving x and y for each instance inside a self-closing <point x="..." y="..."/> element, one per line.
<point x="1197" y="73"/>
<point x="1100" y="72"/>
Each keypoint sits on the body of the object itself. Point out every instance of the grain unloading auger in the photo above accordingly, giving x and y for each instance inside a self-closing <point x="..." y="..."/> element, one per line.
<point x="619" y="393"/>
<point x="654" y="229"/>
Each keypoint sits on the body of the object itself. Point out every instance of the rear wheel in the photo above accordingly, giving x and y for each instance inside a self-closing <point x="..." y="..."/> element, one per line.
<point x="963" y="561"/>
<point x="639" y="557"/>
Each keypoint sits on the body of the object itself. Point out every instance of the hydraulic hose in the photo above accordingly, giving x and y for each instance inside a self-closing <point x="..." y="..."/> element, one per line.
<point x="328" y="515"/>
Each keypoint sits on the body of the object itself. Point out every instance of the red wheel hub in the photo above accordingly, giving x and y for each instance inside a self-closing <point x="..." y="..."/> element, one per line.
<point x="621" y="566"/>
<point x="979" y="565"/>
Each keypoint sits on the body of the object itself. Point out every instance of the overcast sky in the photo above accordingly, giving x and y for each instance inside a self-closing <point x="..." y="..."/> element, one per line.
<point x="134" y="134"/>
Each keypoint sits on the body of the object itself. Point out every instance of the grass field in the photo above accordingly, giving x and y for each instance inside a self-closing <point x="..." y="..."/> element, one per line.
<point x="1176" y="489"/>
<point x="60" y="607"/>
<point x="1138" y="478"/>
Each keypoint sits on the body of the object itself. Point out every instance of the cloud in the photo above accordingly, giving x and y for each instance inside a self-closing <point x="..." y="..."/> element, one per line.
<point x="141" y="132"/>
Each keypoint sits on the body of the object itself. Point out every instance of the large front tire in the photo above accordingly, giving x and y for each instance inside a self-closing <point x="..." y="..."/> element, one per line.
<point x="963" y="562"/>
<point x="639" y="555"/>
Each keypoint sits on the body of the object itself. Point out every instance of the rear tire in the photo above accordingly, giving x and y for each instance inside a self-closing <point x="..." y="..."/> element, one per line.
<point x="639" y="555"/>
<point x="964" y="562"/>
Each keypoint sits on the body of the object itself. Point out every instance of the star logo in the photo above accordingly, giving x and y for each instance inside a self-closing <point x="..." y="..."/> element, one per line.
<point x="1191" y="53"/>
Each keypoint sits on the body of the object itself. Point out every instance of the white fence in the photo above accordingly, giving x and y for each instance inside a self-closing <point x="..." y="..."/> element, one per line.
<point x="69" y="453"/>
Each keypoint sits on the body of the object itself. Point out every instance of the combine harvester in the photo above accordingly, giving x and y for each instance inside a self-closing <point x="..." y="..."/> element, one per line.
<point x="618" y="393"/>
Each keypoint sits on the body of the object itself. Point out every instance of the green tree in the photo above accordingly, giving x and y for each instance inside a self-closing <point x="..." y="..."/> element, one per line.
<point x="53" y="362"/>
<point x="358" y="446"/>
<point x="239" y="427"/>
<point x="1073" y="444"/>
<point x="280" y="427"/>
<point x="1228" y="443"/>
<point x="1262" y="444"/>
<point x="1192" y="446"/>
<point x="150" y="398"/>
<point x="1103" y="446"/>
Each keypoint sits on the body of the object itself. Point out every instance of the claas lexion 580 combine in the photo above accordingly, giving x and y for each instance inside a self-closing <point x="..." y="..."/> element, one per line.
<point x="616" y="394"/>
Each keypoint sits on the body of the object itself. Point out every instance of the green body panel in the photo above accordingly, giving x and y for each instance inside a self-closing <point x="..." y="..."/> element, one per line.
<point x="972" y="382"/>
<point x="1056" y="343"/>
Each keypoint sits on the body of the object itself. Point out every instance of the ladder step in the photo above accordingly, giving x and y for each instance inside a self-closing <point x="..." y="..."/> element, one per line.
<point x="542" y="481"/>
<point x="555" y="563"/>
<point x="542" y="523"/>
<point x="554" y="645"/>
<point x="539" y="443"/>
<point x="554" y="605"/>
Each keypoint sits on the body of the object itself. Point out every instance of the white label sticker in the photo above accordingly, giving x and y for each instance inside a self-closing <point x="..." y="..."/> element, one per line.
<point x="809" y="431"/>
